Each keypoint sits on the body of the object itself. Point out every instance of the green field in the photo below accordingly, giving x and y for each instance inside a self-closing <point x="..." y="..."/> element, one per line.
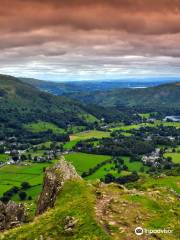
<point x="83" y="162"/>
<point x="3" y="157"/>
<point x="40" y="126"/>
<point x="13" y="175"/>
<point x="89" y="134"/>
<point x="75" y="138"/>
<point x="175" y="156"/>
<point x="76" y="129"/>
<point x="70" y="145"/>
<point x="100" y="173"/>
<point x="145" y="115"/>
<point x="137" y="126"/>
<point x="133" y="166"/>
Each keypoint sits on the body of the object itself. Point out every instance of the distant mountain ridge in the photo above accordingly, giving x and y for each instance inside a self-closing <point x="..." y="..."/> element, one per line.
<point x="164" y="96"/>
<point x="70" y="87"/>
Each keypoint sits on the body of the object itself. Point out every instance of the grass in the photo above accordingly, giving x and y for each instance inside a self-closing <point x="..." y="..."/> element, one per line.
<point x="83" y="162"/>
<point x="89" y="134"/>
<point x="175" y="157"/>
<point x="145" y="115"/>
<point x="4" y="157"/>
<point x="14" y="175"/>
<point x="70" y="145"/>
<point x="89" y="118"/>
<point x="76" y="129"/>
<point x="41" y="126"/>
<point x="100" y="173"/>
<point x="133" y="166"/>
<point x="169" y="182"/>
<point x="75" y="138"/>
<point x="154" y="208"/>
<point x="137" y="126"/>
<point x="76" y="200"/>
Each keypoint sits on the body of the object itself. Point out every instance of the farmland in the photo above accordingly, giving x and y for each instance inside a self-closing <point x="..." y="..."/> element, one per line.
<point x="137" y="126"/>
<point x="84" y="162"/>
<point x="14" y="175"/>
<point x="89" y="134"/>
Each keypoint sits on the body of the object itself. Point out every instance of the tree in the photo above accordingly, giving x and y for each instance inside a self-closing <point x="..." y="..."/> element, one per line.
<point x="5" y="199"/>
<point x="109" y="178"/>
<point x="25" y="185"/>
<point x="22" y="195"/>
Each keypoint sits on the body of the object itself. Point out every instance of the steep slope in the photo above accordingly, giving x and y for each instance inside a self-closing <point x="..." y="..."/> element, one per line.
<point x="165" y="96"/>
<point x="22" y="103"/>
<point x="105" y="212"/>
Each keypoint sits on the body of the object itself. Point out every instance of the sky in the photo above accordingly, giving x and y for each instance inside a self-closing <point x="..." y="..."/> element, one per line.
<point x="89" y="40"/>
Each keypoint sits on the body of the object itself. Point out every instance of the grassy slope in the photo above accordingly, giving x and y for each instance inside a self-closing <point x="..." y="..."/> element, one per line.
<point x="119" y="211"/>
<point x="41" y="126"/>
<point x="75" y="200"/>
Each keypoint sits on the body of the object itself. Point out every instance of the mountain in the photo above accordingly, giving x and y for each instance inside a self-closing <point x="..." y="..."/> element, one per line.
<point x="164" y="96"/>
<point x="21" y="103"/>
<point x="59" y="88"/>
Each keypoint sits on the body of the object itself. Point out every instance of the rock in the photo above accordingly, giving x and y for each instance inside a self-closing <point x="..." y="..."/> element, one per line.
<point x="11" y="215"/>
<point x="54" y="180"/>
<point x="69" y="224"/>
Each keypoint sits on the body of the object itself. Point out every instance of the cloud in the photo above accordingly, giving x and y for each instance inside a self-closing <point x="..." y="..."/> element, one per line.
<point x="77" y="38"/>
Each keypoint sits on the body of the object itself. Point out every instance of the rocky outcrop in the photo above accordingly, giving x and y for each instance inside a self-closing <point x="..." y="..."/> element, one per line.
<point x="11" y="215"/>
<point x="54" y="180"/>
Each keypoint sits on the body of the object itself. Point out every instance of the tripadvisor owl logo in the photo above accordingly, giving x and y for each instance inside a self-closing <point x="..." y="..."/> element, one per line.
<point x="139" y="231"/>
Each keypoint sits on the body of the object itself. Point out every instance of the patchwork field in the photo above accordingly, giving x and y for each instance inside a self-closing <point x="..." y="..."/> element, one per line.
<point x="137" y="126"/>
<point x="83" y="162"/>
<point x="13" y="175"/>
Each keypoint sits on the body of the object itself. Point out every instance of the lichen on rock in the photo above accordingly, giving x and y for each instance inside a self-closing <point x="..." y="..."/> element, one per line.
<point x="54" y="180"/>
<point x="11" y="215"/>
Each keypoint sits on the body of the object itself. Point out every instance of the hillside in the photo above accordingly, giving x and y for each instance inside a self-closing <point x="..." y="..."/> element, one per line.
<point x="104" y="212"/>
<point x="21" y="103"/>
<point x="164" y="96"/>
